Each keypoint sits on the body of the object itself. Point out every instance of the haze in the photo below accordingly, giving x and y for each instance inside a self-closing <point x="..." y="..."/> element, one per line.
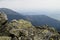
<point x="33" y="7"/>
<point x="50" y="5"/>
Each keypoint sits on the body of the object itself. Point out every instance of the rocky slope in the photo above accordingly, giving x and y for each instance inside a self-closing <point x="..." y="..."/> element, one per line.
<point x="24" y="30"/>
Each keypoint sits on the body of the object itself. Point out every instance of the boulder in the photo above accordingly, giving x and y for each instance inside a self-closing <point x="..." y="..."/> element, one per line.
<point x="3" y="18"/>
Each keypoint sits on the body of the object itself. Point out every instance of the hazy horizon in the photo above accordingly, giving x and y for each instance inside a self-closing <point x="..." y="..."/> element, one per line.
<point x="49" y="6"/>
<point x="34" y="7"/>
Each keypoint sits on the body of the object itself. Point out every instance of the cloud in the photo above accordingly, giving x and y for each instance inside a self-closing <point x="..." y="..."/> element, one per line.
<point x="30" y="4"/>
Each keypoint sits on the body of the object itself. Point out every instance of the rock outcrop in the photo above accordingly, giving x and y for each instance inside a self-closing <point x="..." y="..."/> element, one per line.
<point x="3" y="18"/>
<point x="24" y="30"/>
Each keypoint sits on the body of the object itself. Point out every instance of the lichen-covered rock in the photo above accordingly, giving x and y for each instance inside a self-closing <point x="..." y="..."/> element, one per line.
<point x="19" y="28"/>
<point x="24" y="30"/>
<point x="27" y="31"/>
<point x="3" y="22"/>
<point x="3" y="18"/>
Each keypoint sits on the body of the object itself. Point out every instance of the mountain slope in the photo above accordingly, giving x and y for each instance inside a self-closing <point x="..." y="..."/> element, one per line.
<point x="12" y="14"/>
<point x="38" y="20"/>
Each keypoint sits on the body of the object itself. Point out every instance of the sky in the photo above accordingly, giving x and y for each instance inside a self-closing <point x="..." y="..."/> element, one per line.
<point x="49" y="7"/>
<point x="25" y="5"/>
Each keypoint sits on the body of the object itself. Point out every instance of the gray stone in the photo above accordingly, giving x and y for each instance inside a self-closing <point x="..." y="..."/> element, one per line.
<point x="3" y="18"/>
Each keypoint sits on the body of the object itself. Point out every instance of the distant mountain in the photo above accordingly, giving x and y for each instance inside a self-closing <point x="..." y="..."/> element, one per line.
<point x="12" y="14"/>
<point x="38" y="20"/>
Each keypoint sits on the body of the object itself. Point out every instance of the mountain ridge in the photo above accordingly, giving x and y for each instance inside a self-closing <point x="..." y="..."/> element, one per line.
<point x="42" y="20"/>
<point x="36" y="20"/>
<point x="12" y="14"/>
